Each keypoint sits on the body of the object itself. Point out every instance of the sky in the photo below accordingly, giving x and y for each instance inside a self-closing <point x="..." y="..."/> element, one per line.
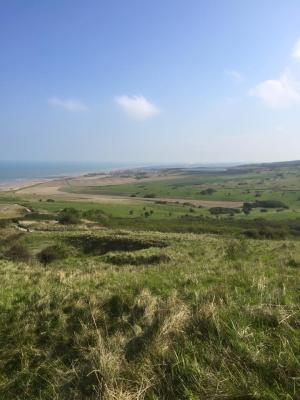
<point x="157" y="81"/>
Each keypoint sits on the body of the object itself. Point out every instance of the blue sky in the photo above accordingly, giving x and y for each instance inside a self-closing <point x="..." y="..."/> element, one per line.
<point x="150" y="81"/>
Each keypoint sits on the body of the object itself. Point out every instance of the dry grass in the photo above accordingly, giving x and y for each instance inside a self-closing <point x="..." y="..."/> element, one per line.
<point x="210" y="323"/>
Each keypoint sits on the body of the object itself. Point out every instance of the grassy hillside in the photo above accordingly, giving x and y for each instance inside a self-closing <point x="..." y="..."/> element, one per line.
<point x="140" y="298"/>
<point x="123" y="315"/>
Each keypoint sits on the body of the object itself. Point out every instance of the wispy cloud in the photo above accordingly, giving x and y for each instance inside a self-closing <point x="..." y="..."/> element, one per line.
<point x="137" y="107"/>
<point x="236" y="76"/>
<point x="278" y="93"/>
<point x="296" y="50"/>
<point x="282" y="92"/>
<point x="72" y="105"/>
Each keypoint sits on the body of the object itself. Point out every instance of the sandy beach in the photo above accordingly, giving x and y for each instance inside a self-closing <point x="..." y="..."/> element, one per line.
<point x="22" y="184"/>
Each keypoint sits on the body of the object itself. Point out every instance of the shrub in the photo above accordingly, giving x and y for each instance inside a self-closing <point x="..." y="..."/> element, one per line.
<point x="102" y="245"/>
<point x="251" y="234"/>
<point x="136" y="259"/>
<point x="247" y="208"/>
<point x="39" y="217"/>
<point x="186" y="203"/>
<point x="96" y="215"/>
<point x="266" y="232"/>
<point x="69" y="216"/>
<point x="223" y="210"/>
<point x="264" y="204"/>
<point x="50" y="254"/>
<point x="208" y="191"/>
<point x="18" y="252"/>
<point x="293" y="263"/>
<point x="270" y="204"/>
<point x="3" y="223"/>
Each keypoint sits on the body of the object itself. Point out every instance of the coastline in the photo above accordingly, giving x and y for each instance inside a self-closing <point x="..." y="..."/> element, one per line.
<point x="15" y="176"/>
<point x="15" y="185"/>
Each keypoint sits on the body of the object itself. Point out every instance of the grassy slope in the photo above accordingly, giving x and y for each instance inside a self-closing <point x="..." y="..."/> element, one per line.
<point x="217" y="318"/>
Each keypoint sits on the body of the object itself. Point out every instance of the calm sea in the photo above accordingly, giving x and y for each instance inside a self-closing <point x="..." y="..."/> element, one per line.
<point x="12" y="172"/>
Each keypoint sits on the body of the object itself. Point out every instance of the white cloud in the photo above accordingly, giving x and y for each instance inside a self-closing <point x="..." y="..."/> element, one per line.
<point x="296" y="51"/>
<point x="137" y="107"/>
<point x="72" y="105"/>
<point x="279" y="93"/>
<point x="236" y="76"/>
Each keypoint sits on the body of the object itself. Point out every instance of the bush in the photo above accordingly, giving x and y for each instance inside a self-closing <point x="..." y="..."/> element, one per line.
<point x="3" y="223"/>
<point x="69" y="216"/>
<point x="101" y="245"/>
<point x="186" y="203"/>
<point x="247" y="207"/>
<point x="223" y="210"/>
<point x="18" y="252"/>
<point x="208" y="191"/>
<point x="136" y="259"/>
<point x="96" y="215"/>
<point x="36" y="216"/>
<point x="266" y="232"/>
<point x="50" y="254"/>
<point x="270" y="204"/>
<point x="293" y="263"/>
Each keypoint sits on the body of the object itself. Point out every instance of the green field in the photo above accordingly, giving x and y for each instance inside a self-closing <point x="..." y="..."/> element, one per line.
<point x="229" y="186"/>
<point x="148" y="203"/>
<point x="233" y="185"/>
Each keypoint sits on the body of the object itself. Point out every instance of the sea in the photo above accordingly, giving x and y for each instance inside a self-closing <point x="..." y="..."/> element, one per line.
<point x="13" y="173"/>
<point x="17" y="172"/>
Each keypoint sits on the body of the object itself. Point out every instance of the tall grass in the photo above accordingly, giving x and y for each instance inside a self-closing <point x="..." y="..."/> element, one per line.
<point x="216" y="318"/>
